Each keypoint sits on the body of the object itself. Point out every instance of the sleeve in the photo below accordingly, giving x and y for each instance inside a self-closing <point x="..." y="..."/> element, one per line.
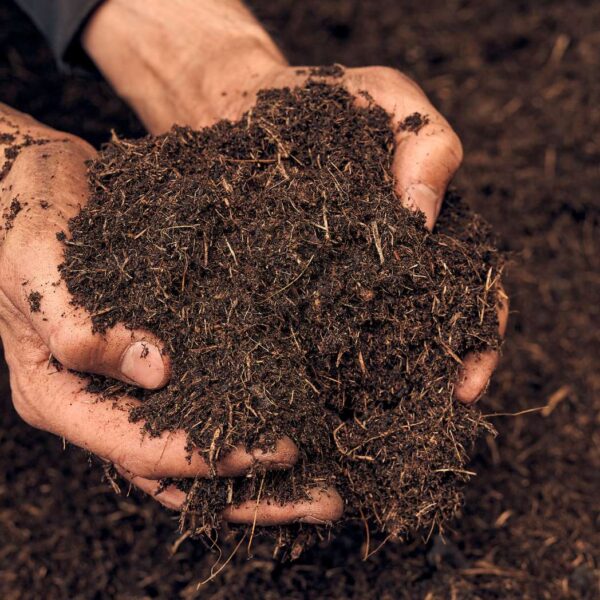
<point x="61" y="22"/>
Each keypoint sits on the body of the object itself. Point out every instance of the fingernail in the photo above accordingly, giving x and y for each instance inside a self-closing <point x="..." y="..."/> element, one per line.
<point x="171" y="497"/>
<point x="483" y="391"/>
<point x="283" y="456"/>
<point x="142" y="363"/>
<point x="426" y="199"/>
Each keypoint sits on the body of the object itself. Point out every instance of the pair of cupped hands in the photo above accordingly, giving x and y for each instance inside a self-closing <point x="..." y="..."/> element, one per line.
<point x="49" y="180"/>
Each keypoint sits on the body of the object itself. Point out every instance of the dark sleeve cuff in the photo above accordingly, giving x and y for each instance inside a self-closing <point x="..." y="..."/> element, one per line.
<point x="61" y="22"/>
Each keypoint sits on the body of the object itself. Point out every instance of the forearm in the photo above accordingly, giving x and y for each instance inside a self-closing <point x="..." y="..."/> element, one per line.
<point x="173" y="59"/>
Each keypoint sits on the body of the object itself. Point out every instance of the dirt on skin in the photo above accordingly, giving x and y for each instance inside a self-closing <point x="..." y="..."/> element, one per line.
<point x="295" y="297"/>
<point x="519" y="83"/>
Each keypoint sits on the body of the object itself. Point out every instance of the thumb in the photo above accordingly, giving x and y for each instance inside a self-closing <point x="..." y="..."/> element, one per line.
<point x="135" y="357"/>
<point x="33" y="286"/>
<point x="424" y="164"/>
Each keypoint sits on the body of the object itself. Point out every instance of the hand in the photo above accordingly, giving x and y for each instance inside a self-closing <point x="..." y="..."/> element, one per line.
<point x="425" y="160"/>
<point x="46" y="185"/>
<point x="193" y="62"/>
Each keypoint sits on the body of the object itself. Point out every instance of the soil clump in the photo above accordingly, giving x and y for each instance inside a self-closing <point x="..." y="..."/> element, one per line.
<point x="295" y="296"/>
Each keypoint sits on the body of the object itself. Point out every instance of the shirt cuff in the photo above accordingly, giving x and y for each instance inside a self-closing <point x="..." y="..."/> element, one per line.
<point x="61" y="23"/>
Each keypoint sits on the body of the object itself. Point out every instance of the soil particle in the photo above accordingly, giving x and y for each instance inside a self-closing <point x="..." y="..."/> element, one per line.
<point x="11" y="214"/>
<point x="34" y="299"/>
<point x="12" y="152"/>
<point x="7" y="138"/>
<point x="414" y="123"/>
<point x="331" y="71"/>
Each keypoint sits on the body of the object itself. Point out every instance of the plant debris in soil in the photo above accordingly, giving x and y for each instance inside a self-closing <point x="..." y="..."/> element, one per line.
<point x="295" y="296"/>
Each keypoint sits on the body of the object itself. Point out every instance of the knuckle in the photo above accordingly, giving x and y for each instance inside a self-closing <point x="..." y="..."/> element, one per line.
<point x="74" y="348"/>
<point x="456" y="147"/>
<point x="24" y="408"/>
<point x="449" y="148"/>
<point x="134" y="463"/>
<point x="391" y="76"/>
<point x="143" y="469"/>
<point x="17" y="240"/>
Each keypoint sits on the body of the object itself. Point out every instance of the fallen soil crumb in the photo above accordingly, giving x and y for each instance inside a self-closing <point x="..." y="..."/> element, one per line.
<point x="7" y="138"/>
<point x="34" y="299"/>
<point x="295" y="297"/>
<point x="333" y="71"/>
<point x="11" y="214"/>
<point x="414" y="123"/>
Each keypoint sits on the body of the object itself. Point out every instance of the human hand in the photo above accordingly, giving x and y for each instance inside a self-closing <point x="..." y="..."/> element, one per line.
<point x="427" y="154"/>
<point x="47" y="185"/>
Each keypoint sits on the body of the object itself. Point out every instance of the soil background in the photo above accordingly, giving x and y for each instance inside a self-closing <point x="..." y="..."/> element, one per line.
<point x="519" y="81"/>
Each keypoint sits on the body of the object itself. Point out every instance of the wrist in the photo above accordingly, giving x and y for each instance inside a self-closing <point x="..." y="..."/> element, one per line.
<point x="180" y="61"/>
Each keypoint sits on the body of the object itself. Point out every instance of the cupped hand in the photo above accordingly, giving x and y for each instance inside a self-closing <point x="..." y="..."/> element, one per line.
<point x="193" y="63"/>
<point x="47" y="185"/>
<point x="427" y="155"/>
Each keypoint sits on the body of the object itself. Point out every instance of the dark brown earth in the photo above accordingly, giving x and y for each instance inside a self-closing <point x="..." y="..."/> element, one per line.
<point x="11" y="213"/>
<point x="295" y="297"/>
<point x="519" y="82"/>
<point x="35" y="300"/>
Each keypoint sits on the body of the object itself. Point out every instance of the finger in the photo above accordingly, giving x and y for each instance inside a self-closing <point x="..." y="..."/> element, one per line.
<point x="169" y="496"/>
<point x="428" y="151"/>
<point x="135" y="357"/>
<point x="54" y="401"/>
<point x="424" y="165"/>
<point x="478" y="367"/>
<point x="324" y="506"/>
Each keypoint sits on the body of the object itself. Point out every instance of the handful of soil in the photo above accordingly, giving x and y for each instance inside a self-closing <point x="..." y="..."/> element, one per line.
<point x="295" y="297"/>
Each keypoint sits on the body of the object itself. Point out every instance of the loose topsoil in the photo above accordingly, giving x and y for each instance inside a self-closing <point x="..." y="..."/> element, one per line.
<point x="519" y="83"/>
<point x="295" y="297"/>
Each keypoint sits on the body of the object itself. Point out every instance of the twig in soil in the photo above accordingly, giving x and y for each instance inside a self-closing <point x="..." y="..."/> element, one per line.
<point x="179" y="541"/>
<point x="367" y="534"/>
<point x="214" y="574"/>
<point x="109" y="476"/>
<point x="385" y="541"/>
<point x="377" y="239"/>
<point x="291" y="283"/>
<point x="517" y="414"/>
<point x="463" y="471"/>
<point x="258" y="498"/>
<point x="555" y="399"/>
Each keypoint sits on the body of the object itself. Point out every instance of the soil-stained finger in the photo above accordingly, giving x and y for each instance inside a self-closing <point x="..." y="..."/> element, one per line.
<point x="479" y="367"/>
<point x="170" y="496"/>
<point x="325" y="506"/>
<point x="56" y="401"/>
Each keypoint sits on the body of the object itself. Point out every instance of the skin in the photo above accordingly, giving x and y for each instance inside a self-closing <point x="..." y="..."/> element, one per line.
<point x="190" y="62"/>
